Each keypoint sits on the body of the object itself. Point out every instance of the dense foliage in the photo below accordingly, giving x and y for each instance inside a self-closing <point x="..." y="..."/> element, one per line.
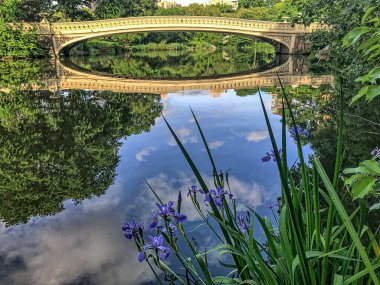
<point x="343" y="16"/>
<point x="254" y="10"/>
<point x="106" y="9"/>
<point x="367" y="40"/>
<point x="14" y="41"/>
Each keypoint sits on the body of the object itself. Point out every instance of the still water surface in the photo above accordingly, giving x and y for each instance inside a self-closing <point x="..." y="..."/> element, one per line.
<point x="178" y="64"/>
<point x="75" y="163"/>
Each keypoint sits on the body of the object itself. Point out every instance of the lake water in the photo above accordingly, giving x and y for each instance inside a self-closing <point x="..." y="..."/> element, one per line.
<point x="75" y="159"/>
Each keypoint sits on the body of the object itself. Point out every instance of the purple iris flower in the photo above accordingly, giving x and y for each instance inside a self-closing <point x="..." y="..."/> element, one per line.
<point x="166" y="212"/>
<point x="194" y="190"/>
<point x="173" y="229"/>
<point x="301" y="132"/>
<point x="270" y="155"/>
<point x="157" y="244"/>
<point x="131" y="229"/>
<point x="272" y="206"/>
<point x="376" y="151"/>
<point x="179" y="218"/>
<point x="242" y="223"/>
<point x="217" y="196"/>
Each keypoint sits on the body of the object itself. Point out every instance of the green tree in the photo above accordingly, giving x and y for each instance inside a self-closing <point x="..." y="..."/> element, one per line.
<point x="251" y="3"/>
<point x="200" y="10"/>
<point x="32" y="9"/>
<point x="171" y="11"/>
<point x="109" y="9"/>
<point x="343" y="14"/>
<point x="259" y="3"/>
<point x="24" y="10"/>
<point x="327" y="46"/>
<point x="106" y="9"/>
<point x="255" y="13"/>
<point x="74" y="10"/>
<point x="366" y="39"/>
<point x="15" y="42"/>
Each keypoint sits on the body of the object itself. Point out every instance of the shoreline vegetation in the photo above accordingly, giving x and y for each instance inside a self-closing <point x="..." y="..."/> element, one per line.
<point x="219" y="42"/>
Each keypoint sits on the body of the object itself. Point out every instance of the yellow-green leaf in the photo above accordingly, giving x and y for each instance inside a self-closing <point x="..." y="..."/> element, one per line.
<point x="363" y="187"/>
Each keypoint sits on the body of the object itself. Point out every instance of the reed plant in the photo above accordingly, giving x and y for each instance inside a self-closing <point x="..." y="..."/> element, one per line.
<point x="306" y="244"/>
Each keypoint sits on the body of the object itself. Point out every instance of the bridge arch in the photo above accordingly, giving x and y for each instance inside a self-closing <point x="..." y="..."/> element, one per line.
<point x="283" y="46"/>
<point x="65" y="34"/>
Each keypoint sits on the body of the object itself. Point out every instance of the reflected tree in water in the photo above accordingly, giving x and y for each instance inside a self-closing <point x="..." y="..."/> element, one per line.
<point x="56" y="147"/>
<point x="176" y="64"/>
<point x="317" y="110"/>
<point x="14" y="74"/>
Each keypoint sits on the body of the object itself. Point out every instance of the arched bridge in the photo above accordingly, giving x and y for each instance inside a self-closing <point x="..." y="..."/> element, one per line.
<point x="286" y="35"/>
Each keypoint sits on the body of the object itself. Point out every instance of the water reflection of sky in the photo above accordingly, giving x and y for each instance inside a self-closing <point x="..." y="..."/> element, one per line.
<point x="84" y="245"/>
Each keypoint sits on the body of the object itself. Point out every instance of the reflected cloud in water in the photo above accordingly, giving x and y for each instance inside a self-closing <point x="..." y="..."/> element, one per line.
<point x="80" y="244"/>
<point x="185" y="135"/>
<point x="144" y="153"/>
<point x="84" y="243"/>
<point x="257" y="136"/>
<point x="167" y="188"/>
<point x="216" y="144"/>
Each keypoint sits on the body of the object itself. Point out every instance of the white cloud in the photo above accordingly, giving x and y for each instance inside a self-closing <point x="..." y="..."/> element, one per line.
<point x="216" y="144"/>
<point x="185" y="135"/>
<point x="257" y="136"/>
<point x="142" y="154"/>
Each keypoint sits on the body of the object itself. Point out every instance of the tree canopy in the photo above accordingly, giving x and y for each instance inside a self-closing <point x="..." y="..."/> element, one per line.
<point x="14" y="41"/>
<point x="106" y="9"/>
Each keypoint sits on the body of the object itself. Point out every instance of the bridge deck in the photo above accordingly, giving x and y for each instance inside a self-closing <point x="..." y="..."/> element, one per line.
<point x="66" y="34"/>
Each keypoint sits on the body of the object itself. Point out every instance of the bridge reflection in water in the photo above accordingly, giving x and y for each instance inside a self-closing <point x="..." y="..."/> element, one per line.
<point x="293" y="72"/>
